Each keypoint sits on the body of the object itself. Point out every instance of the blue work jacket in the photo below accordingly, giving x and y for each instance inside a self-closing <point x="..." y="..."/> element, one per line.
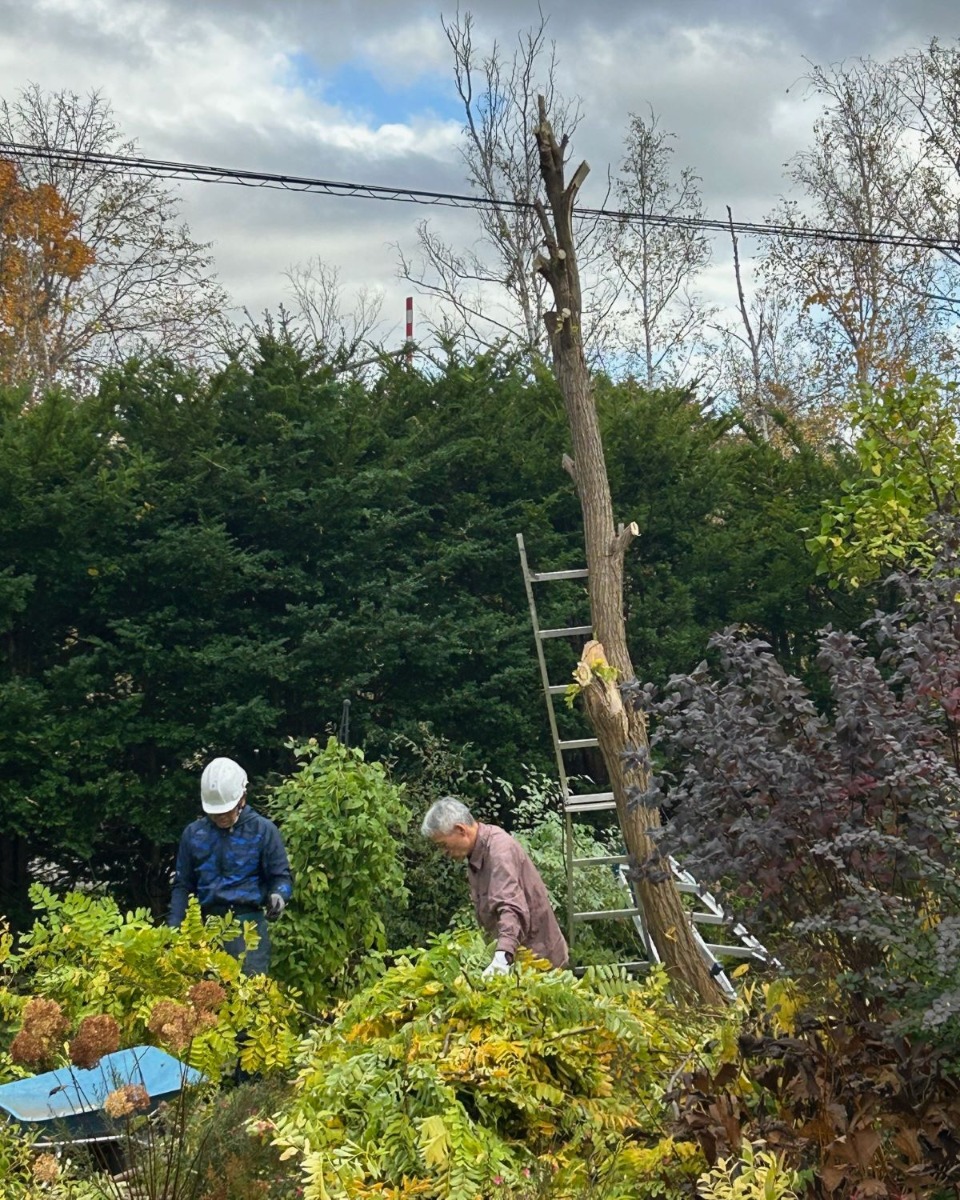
<point x="235" y="868"/>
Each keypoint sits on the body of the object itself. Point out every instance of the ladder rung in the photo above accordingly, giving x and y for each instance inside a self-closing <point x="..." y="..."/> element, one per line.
<point x="547" y="576"/>
<point x="599" y="806"/>
<point x="702" y="918"/>
<point x="570" y="631"/>
<point x="732" y="951"/>
<point x="609" y="861"/>
<point x="578" y="744"/>
<point x="608" y="912"/>
<point x="688" y="889"/>
<point x="558" y="689"/>
<point x="589" y="802"/>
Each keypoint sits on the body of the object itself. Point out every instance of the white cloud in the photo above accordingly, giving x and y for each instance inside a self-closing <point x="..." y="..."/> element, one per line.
<point x="401" y="55"/>
<point x="222" y="82"/>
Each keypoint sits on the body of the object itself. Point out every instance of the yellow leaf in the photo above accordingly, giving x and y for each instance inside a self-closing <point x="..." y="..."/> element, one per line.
<point x="434" y="1141"/>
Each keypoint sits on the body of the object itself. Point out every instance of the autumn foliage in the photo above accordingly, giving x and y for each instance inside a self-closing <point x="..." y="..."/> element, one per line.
<point x="40" y="249"/>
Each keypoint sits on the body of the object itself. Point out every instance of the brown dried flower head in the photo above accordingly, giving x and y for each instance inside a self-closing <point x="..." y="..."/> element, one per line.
<point x="174" y="1024"/>
<point x="44" y="1019"/>
<point x="28" y="1050"/>
<point x="117" y="1104"/>
<point x="97" y="1035"/>
<point x="131" y="1098"/>
<point x="46" y="1168"/>
<point x="139" y="1097"/>
<point x="207" y="996"/>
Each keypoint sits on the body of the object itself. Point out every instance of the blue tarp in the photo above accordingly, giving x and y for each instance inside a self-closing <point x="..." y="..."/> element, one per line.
<point x="68" y="1103"/>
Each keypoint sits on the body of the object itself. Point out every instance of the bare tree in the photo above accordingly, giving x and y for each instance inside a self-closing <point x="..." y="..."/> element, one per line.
<point x="929" y="83"/>
<point x="336" y="328"/>
<point x="150" y="288"/>
<point x="620" y="727"/>
<point x="658" y="258"/>
<point x="865" y="311"/>
<point x="763" y="358"/>
<point x="490" y="294"/>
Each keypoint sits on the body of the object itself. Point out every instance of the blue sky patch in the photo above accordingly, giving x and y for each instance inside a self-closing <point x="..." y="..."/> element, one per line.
<point x="357" y="90"/>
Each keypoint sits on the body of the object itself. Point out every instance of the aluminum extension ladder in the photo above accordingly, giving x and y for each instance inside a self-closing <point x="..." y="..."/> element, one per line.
<point x="706" y="910"/>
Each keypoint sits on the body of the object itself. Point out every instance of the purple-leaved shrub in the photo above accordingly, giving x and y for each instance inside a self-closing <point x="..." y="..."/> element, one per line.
<point x="831" y="829"/>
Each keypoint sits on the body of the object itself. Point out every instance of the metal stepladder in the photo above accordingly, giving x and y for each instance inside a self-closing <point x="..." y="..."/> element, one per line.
<point x="706" y="911"/>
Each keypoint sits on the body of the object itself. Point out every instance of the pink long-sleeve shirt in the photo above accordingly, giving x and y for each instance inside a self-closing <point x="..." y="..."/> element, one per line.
<point x="511" y="902"/>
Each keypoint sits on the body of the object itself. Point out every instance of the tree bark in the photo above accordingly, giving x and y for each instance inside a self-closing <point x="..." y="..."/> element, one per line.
<point x="620" y="730"/>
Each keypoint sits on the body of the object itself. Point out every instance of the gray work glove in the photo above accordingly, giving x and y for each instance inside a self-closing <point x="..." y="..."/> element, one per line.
<point x="275" y="906"/>
<point x="499" y="965"/>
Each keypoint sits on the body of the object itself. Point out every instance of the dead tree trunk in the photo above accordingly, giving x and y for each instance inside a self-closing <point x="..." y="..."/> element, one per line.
<point x="620" y="729"/>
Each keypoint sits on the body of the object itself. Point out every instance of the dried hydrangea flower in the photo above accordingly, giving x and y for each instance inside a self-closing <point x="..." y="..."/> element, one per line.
<point x="207" y="996"/>
<point x="174" y="1024"/>
<point x="117" y="1104"/>
<point x="44" y="1019"/>
<point x="46" y="1168"/>
<point x="138" y="1096"/>
<point x="130" y="1098"/>
<point x="27" y="1050"/>
<point x="96" y="1036"/>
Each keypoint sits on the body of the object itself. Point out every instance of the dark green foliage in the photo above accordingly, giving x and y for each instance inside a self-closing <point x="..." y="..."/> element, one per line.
<point x="341" y="818"/>
<point x="429" y="767"/>
<point x="191" y="568"/>
<point x="721" y="516"/>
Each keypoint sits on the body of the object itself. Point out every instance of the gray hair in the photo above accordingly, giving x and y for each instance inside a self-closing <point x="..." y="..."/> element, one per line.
<point x="443" y="814"/>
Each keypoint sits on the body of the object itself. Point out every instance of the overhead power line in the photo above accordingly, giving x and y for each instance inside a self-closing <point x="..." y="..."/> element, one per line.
<point x="159" y="169"/>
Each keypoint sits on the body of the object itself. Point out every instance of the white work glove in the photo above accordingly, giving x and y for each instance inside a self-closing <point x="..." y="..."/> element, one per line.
<point x="499" y="966"/>
<point x="275" y="906"/>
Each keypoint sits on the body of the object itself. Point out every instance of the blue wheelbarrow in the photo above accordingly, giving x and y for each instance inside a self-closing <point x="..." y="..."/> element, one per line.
<point x="66" y="1105"/>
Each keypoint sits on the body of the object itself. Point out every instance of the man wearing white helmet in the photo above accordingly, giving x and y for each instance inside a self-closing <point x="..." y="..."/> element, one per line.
<point x="232" y="860"/>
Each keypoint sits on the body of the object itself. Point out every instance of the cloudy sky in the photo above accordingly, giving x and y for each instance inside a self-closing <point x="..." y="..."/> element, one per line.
<point x="362" y="91"/>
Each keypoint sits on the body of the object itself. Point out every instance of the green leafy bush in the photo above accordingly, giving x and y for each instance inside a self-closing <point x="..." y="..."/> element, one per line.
<point x="907" y="461"/>
<point x="340" y="817"/>
<point x="434" y="1081"/>
<point x="92" y="959"/>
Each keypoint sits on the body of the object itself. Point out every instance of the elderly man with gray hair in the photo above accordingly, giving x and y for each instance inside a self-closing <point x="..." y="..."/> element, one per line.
<point x="508" y="895"/>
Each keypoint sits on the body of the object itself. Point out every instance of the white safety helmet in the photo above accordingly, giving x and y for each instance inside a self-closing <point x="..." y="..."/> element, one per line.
<point x="222" y="785"/>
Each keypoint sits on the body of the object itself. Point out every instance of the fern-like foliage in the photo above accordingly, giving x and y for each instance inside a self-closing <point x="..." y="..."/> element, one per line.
<point x="433" y="1081"/>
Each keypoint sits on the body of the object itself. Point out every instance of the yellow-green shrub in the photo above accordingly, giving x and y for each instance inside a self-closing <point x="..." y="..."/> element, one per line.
<point x="433" y="1081"/>
<point x="91" y="958"/>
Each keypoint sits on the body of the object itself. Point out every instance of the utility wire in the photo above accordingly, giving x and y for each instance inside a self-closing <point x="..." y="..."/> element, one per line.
<point x="159" y="169"/>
